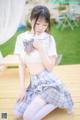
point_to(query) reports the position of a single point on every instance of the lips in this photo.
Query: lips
(39, 32)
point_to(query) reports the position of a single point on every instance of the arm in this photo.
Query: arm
(22, 76)
(48, 56)
(22, 94)
(47, 61)
(19, 50)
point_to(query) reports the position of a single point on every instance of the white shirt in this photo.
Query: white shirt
(48, 43)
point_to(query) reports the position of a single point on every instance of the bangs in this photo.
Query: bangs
(43, 17)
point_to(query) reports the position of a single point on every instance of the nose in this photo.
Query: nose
(41, 27)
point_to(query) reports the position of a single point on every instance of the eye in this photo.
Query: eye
(44, 25)
(37, 23)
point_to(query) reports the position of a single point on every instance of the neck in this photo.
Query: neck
(32, 31)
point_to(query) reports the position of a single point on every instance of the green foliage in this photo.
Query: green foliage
(68, 44)
(61, 8)
(28, 25)
(8, 47)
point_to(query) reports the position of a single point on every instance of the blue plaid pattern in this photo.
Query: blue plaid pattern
(50, 88)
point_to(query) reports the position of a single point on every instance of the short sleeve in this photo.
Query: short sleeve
(52, 47)
(19, 48)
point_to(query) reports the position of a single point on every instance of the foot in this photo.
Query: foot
(70, 111)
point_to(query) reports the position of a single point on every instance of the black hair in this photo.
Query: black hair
(40, 11)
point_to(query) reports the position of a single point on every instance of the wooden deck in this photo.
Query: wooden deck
(9, 88)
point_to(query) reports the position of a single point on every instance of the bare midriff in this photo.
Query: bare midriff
(35, 68)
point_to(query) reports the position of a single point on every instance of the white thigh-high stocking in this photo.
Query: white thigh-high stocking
(43, 111)
(33, 108)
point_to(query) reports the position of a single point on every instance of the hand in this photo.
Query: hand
(38, 45)
(22, 96)
(28, 46)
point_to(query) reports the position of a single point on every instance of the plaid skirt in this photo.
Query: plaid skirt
(50, 88)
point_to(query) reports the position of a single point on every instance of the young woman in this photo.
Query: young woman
(37, 51)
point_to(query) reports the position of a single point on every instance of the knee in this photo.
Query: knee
(18, 117)
(27, 116)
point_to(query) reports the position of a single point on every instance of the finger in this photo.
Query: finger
(18, 100)
(25, 98)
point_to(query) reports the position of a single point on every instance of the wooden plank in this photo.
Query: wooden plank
(70, 75)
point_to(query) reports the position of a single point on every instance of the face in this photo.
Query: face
(40, 26)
